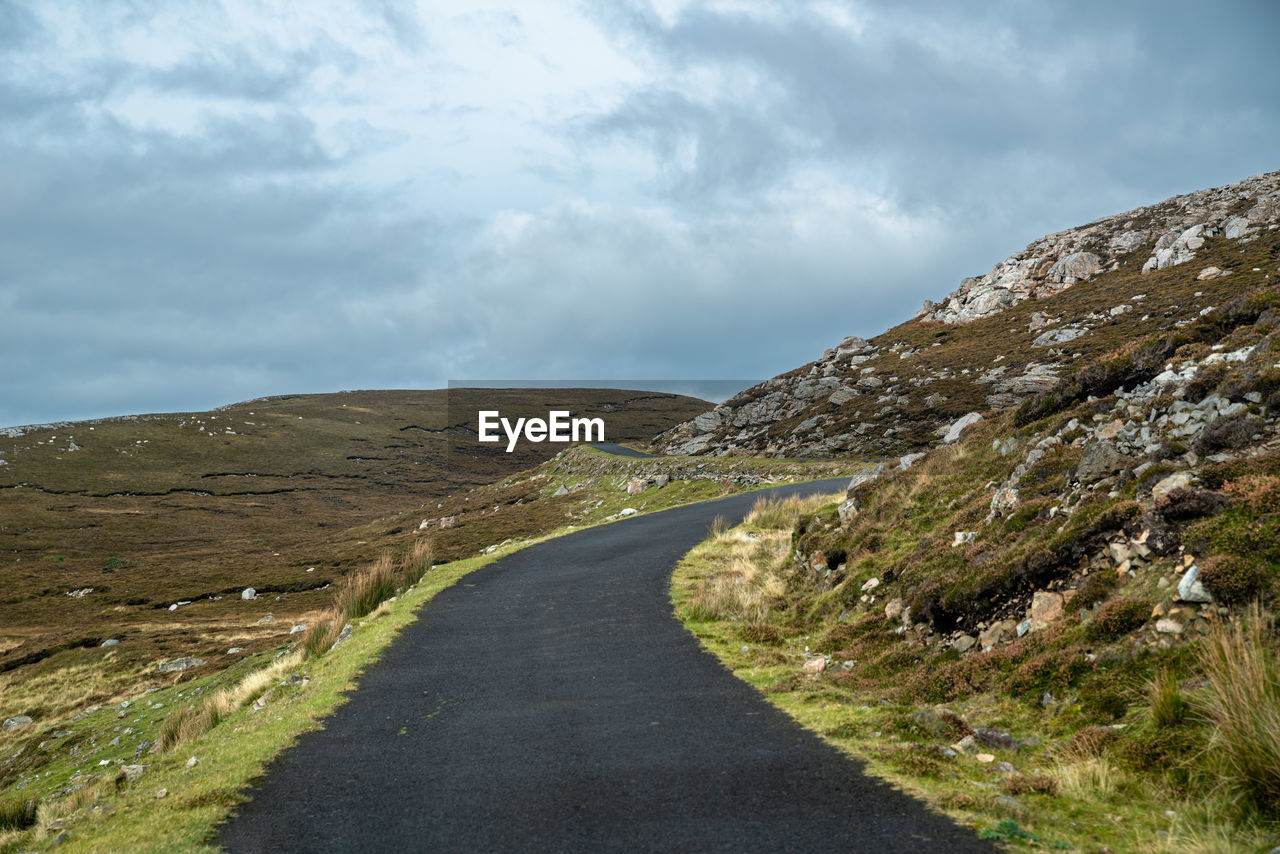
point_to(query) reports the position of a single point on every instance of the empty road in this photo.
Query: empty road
(551, 702)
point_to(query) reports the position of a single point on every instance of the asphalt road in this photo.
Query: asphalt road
(551, 702)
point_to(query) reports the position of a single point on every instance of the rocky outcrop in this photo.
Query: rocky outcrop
(900, 392)
(1173, 230)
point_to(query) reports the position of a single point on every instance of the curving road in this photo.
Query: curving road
(551, 702)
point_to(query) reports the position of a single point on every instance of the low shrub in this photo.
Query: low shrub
(1225, 434)
(1167, 704)
(1030, 784)
(760, 633)
(1233, 579)
(1095, 588)
(1118, 617)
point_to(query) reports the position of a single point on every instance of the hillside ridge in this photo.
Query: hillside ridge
(1063, 302)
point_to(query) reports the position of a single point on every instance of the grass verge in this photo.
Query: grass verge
(199, 743)
(1155, 780)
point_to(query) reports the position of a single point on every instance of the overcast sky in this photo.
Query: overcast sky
(206, 202)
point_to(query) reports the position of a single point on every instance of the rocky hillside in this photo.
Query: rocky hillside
(1059, 620)
(1065, 302)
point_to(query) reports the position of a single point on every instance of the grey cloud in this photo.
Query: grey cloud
(17, 25)
(1117, 94)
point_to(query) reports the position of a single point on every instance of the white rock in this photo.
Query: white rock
(963, 537)
(1061, 335)
(1177, 480)
(957, 427)
(248, 593)
(870, 584)
(1190, 589)
(16, 722)
(627, 511)
(909, 460)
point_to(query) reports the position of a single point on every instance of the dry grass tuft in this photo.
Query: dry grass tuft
(367, 589)
(776, 515)
(752, 578)
(1244, 704)
(1088, 778)
(187, 723)
(322, 634)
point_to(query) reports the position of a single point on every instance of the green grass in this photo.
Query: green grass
(215, 717)
(1151, 786)
(232, 749)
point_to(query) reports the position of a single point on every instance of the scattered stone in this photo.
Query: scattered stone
(177, 665)
(16, 722)
(301, 627)
(1061, 335)
(815, 665)
(866, 476)
(234, 650)
(995, 739)
(1045, 608)
(895, 609)
(952, 433)
(1098, 461)
(964, 643)
(1210, 273)
(870, 584)
(1005, 501)
(248, 593)
(1005, 447)
(996, 633)
(1023, 627)
(1177, 480)
(627, 511)
(963, 538)
(908, 460)
(559, 492)
(846, 511)
(109, 642)
(1006, 768)
(193, 761)
(985, 758)
(1169, 626)
(133, 772)
(162, 793)
(1191, 589)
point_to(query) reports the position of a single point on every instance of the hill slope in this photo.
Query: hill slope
(104, 524)
(1065, 301)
